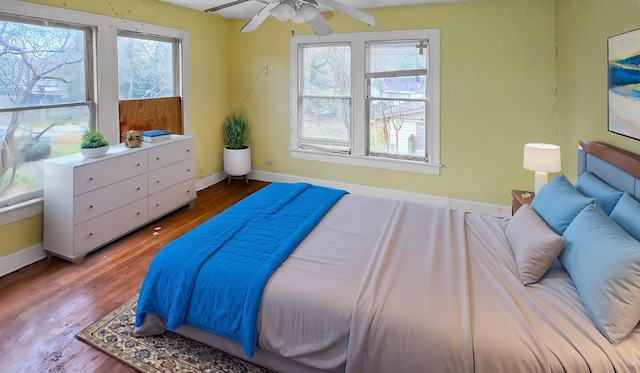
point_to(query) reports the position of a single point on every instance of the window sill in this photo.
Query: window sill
(21, 211)
(373, 162)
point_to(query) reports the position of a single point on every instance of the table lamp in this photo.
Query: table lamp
(541, 158)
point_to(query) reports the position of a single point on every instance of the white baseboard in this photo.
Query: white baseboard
(20, 259)
(24, 257)
(208, 181)
(457, 204)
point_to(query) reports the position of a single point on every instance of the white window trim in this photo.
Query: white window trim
(358, 96)
(106, 72)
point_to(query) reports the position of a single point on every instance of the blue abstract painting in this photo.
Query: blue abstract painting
(624, 84)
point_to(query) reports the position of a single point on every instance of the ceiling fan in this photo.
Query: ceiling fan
(299, 11)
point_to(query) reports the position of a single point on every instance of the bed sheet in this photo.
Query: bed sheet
(383, 285)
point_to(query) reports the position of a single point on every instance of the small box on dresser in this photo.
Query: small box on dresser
(89, 202)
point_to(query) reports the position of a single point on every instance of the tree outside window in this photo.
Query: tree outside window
(145, 67)
(397, 95)
(325, 115)
(44, 101)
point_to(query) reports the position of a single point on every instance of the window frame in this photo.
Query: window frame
(89, 59)
(105, 88)
(176, 45)
(87, 101)
(342, 147)
(359, 126)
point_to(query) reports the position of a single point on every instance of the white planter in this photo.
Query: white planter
(94, 152)
(237, 162)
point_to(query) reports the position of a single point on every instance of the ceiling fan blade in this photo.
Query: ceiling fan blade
(219, 7)
(351, 12)
(320, 25)
(262, 15)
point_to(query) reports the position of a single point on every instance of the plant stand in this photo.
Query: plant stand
(246, 179)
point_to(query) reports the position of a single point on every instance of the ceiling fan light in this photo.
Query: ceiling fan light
(306, 13)
(284, 11)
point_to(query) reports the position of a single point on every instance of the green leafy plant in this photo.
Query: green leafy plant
(93, 139)
(235, 130)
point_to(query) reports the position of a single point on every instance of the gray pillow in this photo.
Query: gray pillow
(535, 246)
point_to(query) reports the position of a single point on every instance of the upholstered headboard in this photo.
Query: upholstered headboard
(617, 167)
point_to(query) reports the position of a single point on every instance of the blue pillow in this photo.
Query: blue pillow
(604, 263)
(627, 214)
(607, 196)
(558, 202)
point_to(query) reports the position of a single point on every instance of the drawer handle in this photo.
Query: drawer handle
(138, 214)
(158, 182)
(188, 150)
(90, 179)
(157, 205)
(138, 188)
(138, 165)
(157, 158)
(188, 170)
(90, 206)
(90, 234)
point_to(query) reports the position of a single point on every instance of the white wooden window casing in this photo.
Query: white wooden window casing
(357, 153)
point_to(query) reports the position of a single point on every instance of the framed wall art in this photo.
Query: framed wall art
(624, 84)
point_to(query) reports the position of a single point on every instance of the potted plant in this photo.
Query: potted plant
(237, 155)
(93, 144)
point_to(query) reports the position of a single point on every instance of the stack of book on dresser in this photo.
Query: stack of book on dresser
(156, 135)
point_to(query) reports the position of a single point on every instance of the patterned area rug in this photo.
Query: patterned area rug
(168, 352)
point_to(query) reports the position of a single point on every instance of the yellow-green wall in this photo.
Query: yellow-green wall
(583, 27)
(499, 73)
(497, 92)
(20, 235)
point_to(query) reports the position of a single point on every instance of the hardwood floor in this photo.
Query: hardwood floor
(44, 305)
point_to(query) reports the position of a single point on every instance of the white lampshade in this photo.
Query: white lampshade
(284, 11)
(306, 13)
(541, 158)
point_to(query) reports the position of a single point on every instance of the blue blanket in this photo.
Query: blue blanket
(212, 278)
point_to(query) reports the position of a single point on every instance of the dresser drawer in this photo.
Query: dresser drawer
(171, 198)
(107, 227)
(164, 155)
(172, 175)
(109, 171)
(89, 205)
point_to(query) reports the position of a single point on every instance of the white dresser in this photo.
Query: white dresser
(89, 202)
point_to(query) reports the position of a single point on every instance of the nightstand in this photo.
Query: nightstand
(520, 197)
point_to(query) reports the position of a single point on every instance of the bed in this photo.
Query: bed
(380, 285)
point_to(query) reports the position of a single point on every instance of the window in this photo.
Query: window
(146, 66)
(45, 100)
(55, 67)
(368, 99)
(325, 98)
(397, 101)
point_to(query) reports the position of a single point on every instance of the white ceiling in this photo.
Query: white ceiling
(250, 8)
